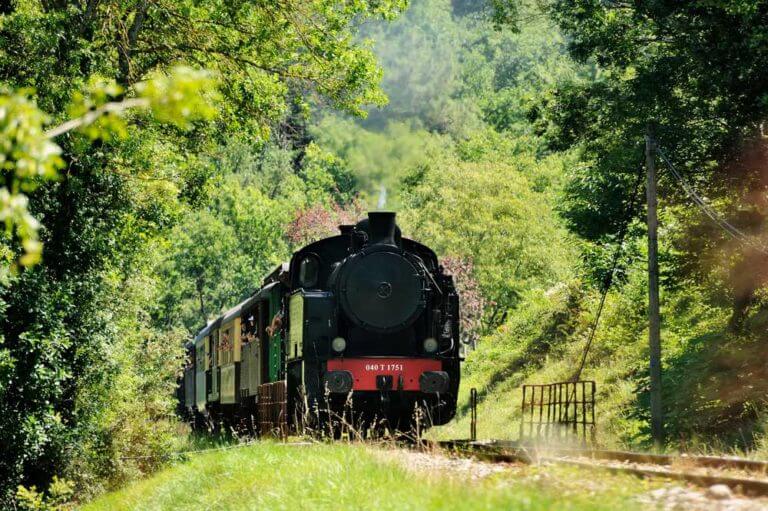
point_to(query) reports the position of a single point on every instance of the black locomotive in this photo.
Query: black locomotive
(365, 323)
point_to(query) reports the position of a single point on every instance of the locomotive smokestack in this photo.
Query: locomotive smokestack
(381, 228)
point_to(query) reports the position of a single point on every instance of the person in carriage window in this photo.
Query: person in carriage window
(277, 323)
(249, 330)
(252, 329)
(225, 345)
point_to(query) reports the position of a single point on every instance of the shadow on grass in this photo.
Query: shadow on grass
(559, 327)
(713, 390)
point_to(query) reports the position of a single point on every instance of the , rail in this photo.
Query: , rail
(664, 466)
(745, 485)
(718, 462)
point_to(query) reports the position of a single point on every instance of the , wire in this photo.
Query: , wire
(708, 210)
(729, 228)
(633, 205)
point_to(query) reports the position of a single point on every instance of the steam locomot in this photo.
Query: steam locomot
(362, 325)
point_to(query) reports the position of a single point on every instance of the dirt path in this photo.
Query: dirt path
(445, 466)
(662, 495)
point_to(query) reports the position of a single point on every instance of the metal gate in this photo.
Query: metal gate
(562, 410)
